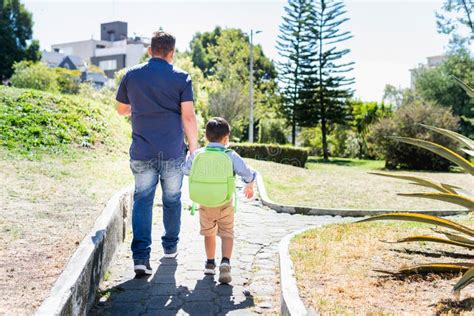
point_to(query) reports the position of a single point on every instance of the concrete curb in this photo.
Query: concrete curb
(291, 303)
(75, 289)
(308, 210)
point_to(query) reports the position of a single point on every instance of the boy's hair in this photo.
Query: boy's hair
(162, 43)
(216, 129)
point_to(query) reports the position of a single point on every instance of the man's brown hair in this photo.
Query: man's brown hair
(216, 129)
(162, 43)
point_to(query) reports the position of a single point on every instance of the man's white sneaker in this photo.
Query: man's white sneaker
(171, 255)
(142, 269)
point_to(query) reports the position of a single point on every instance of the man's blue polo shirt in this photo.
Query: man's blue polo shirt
(155, 91)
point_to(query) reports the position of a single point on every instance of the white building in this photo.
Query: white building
(431, 62)
(114, 51)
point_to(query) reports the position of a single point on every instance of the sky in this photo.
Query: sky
(390, 37)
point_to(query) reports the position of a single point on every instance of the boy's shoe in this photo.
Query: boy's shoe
(142, 268)
(224, 273)
(171, 253)
(210, 269)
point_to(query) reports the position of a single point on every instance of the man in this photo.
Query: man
(159, 98)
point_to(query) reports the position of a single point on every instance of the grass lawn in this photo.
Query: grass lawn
(335, 270)
(61, 158)
(48, 206)
(346, 183)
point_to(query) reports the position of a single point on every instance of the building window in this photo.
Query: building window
(99, 46)
(110, 64)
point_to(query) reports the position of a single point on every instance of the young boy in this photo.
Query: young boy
(220, 220)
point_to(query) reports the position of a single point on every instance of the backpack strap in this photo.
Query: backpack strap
(218, 149)
(235, 199)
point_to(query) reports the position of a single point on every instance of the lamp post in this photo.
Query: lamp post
(251, 86)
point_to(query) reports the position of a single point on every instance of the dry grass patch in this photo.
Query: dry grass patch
(335, 270)
(349, 186)
(48, 206)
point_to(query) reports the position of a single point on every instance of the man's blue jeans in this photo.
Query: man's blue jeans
(147, 175)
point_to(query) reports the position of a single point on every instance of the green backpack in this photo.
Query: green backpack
(212, 180)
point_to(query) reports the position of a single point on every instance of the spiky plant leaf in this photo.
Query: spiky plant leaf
(439, 150)
(466, 279)
(454, 237)
(430, 268)
(450, 187)
(467, 88)
(446, 188)
(422, 218)
(469, 152)
(445, 197)
(453, 135)
(436, 239)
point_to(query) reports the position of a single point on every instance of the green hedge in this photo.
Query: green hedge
(289, 155)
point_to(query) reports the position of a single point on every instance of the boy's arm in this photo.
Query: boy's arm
(189, 162)
(247, 174)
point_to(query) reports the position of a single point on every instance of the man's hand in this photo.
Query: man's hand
(190, 125)
(124, 109)
(248, 190)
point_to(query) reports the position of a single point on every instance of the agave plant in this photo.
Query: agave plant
(457, 235)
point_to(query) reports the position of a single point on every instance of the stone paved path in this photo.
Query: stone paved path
(180, 287)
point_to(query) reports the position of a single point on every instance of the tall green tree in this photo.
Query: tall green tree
(437, 85)
(16, 30)
(223, 57)
(456, 19)
(329, 84)
(294, 47)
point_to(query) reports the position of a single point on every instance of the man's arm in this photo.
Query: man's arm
(124, 109)
(188, 118)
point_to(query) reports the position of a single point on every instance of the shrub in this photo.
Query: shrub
(34, 76)
(68, 80)
(405, 123)
(272, 130)
(269, 152)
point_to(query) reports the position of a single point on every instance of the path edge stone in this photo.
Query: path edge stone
(75, 289)
(309, 210)
(291, 303)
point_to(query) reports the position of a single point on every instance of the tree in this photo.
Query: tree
(16, 25)
(294, 46)
(328, 85)
(456, 19)
(199, 45)
(396, 97)
(228, 101)
(364, 115)
(437, 85)
(223, 57)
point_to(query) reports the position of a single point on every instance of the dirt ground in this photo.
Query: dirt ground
(335, 268)
(47, 207)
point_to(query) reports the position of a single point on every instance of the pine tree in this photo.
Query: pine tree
(328, 83)
(293, 45)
